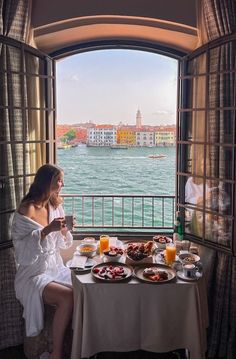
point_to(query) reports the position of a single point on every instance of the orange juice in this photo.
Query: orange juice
(104, 243)
(170, 253)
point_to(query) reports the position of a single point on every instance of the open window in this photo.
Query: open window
(206, 144)
(27, 132)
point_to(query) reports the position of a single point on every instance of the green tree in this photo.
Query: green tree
(70, 135)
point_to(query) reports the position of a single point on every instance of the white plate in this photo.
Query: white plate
(181, 275)
(88, 265)
(159, 258)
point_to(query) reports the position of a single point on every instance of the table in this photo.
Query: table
(129, 316)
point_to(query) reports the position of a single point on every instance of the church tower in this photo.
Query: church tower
(138, 119)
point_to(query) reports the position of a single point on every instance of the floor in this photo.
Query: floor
(18, 353)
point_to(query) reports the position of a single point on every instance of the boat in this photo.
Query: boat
(156, 156)
(119, 147)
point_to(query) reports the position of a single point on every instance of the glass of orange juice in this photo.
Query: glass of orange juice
(170, 253)
(104, 243)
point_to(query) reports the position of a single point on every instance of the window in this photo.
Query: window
(206, 145)
(27, 133)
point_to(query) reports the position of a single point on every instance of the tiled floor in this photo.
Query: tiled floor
(18, 353)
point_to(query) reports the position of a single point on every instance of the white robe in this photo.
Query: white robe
(39, 263)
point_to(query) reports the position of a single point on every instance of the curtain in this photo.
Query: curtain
(14, 23)
(217, 18)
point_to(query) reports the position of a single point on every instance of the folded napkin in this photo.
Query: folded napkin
(78, 261)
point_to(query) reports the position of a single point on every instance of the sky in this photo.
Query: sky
(109, 86)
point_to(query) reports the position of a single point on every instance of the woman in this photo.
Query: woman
(38, 232)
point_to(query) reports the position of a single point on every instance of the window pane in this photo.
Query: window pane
(11, 125)
(226, 98)
(36, 125)
(197, 65)
(220, 126)
(220, 58)
(218, 229)
(220, 162)
(194, 126)
(36, 96)
(5, 225)
(34, 65)
(194, 155)
(218, 197)
(11, 191)
(14, 59)
(11, 159)
(196, 88)
(36, 152)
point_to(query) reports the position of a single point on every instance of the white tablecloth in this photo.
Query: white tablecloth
(131, 316)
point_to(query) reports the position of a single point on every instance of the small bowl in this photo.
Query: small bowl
(113, 255)
(189, 258)
(87, 249)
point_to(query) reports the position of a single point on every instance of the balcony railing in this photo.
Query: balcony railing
(121, 212)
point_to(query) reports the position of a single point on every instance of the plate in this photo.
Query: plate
(138, 272)
(106, 276)
(88, 265)
(193, 258)
(160, 259)
(180, 275)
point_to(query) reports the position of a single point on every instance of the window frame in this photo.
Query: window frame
(46, 83)
(182, 141)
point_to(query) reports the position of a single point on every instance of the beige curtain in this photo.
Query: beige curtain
(217, 18)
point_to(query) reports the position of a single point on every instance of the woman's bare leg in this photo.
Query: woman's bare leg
(62, 297)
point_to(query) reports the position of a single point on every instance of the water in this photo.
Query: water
(101, 170)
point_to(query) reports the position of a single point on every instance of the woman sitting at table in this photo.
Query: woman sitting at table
(38, 233)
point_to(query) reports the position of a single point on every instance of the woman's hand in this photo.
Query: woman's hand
(58, 224)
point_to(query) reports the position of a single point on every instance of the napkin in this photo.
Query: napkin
(78, 262)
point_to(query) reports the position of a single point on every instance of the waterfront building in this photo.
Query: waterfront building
(145, 138)
(126, 136)
(101, 135)
(165, 136)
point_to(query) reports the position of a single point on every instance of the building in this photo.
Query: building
(165, 136)
(145, 139)
(101, 135)
(138, 119)
(126, 136)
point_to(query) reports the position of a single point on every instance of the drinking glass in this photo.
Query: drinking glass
(104, 243)
(170, 253)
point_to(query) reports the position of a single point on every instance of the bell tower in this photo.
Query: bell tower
(138, 119)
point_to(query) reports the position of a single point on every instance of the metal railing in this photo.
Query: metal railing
(121, 211)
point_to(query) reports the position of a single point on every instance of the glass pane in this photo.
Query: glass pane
(11, 159)
(220, 162)
(194, 191)
(36, 125)
(11, 191)
(222, 57)
(5, 226)
(197, 65)
(13, 58)
(36, 152)
(194, 126)
(219, 197)
(36, 92)
(11, 125)
(196, 92)
(194, 222)
(221, 90)
(220, 127)
(34, 65)
(194, 155)
(218, 229)
(15, 83)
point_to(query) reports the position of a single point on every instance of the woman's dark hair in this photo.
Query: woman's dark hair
(39, 190)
